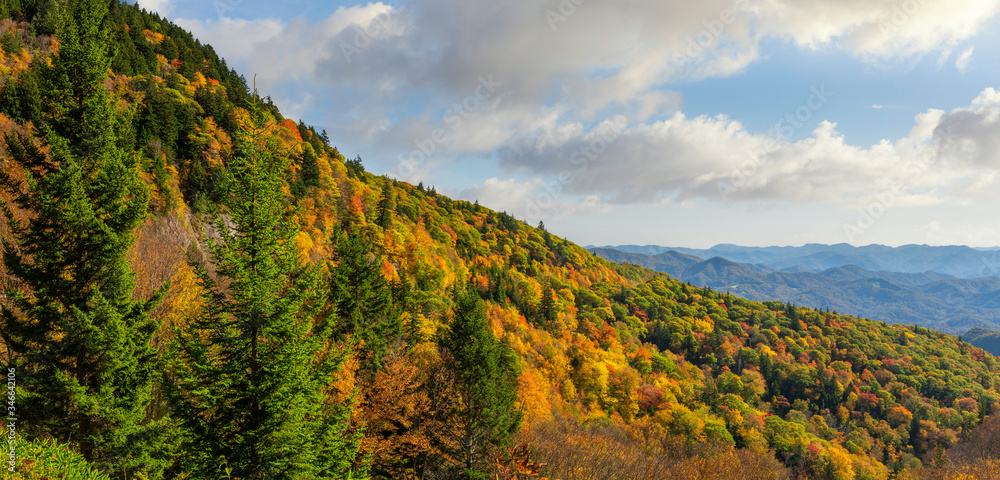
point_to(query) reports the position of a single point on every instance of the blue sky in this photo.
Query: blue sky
(754, 122)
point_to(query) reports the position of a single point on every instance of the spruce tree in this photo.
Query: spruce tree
(78, 340)
(252, 375)
(386, 205)
(310, 166)
(486, 379)
(362, 297)
(548, 307)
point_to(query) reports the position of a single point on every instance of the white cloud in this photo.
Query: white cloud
(295, 109)
(963, 60)
(163, 7)
(501, 195)
(943, 58)
(392, 76)
(233, 39)
(880, 28)
(532, 200)
(971, 136)
(372, 60)
(947, 158)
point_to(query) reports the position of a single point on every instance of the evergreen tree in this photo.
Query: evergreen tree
(691, 345)
(362, 297)
(548, 306)
(21, 99)
(355, 168)
(79, 342)
(310, 167)
(400, 293)
(252, 373)
(486, 378)
(386, 205)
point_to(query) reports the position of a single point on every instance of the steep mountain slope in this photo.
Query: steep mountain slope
(608, 355)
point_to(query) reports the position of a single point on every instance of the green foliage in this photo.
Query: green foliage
(361, 297)
(79, 342)
(984, 338)
(309, 176)
(486, 374)
(45, 459)
(355, 168)
(252, 373)
(21, 97)
(386, 205)
(547, 307)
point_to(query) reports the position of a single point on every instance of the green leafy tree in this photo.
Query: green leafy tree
(78, 339)
(486, 378)
(252, 374)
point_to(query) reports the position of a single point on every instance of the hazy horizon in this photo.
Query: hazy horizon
(989, 247)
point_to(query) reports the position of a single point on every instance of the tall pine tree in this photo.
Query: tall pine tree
(79, 342)
(386, 205)
(362, 297)
(253, 373)
(486, 378)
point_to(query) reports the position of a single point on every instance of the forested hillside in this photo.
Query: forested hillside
(198, 287)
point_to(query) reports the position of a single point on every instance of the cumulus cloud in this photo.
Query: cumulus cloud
(376, 64)
(883, 28)
(408, 83)
(233, 39)
(502, 195)
(971, 135)
(947, 157)
(533, 199)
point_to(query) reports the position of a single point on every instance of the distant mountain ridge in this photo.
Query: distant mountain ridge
(957, 261)
(927, 298)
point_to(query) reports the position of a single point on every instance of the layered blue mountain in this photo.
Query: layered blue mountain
(926, 289)
(957, 261)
